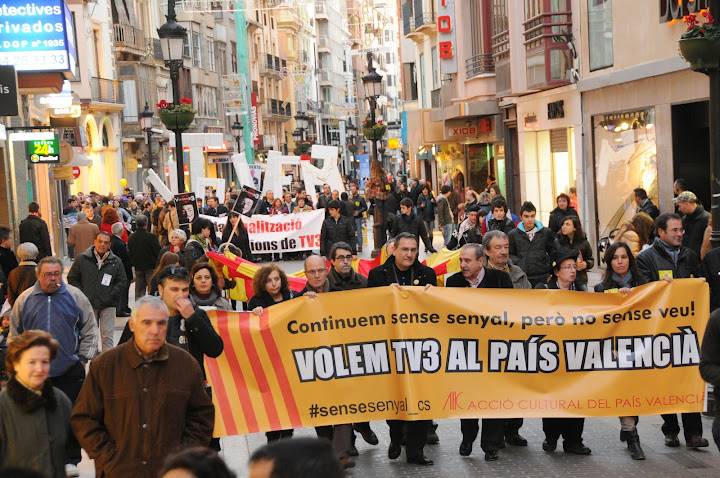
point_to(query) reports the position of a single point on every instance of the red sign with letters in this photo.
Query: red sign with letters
(446, 36)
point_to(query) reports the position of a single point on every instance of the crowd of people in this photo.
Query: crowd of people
(134, 405)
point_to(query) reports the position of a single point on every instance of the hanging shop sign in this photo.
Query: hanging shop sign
(474, 129)
(254, 119)
(556, 110)
(8, 91)
(446, 36)
(44, 150)
(37, 36)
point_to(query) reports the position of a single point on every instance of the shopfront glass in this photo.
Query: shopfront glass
(625, 159)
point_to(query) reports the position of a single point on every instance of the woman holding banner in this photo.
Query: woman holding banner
(271, 287)
(621, 276)
(564, 278)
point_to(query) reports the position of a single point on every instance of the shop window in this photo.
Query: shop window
(600, 33)
(480, 165)
(625, 156)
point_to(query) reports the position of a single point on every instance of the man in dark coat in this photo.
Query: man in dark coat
(498, 219)
(33, 229)
(710, 364)
(403, 268)
(142, 400)
(143, 248)
(336, 228)
(710, 270)
(563, 210)
(669, 259)
(694, 220)
(532, 245)
(118, 247)
(359, 206)
(644, 204)
(474, 274)
(411, 223)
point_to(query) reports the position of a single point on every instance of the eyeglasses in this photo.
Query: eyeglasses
(347, 258)
(570, 267)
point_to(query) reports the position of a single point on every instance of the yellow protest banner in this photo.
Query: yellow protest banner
(410, 353)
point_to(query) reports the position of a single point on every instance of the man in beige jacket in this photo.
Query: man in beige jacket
(82, 234)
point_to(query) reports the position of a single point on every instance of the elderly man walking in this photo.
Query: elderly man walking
(142, 400)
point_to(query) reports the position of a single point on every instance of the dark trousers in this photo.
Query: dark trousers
(716, 430)
(415, 435)
(491, 437)
(571, 429)
(142, 281)
(512, 426)
(278, 435)
(70, 383)
(124, 298)
(692, 424)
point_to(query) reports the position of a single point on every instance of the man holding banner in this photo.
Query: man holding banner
(403, 268)
(474, 274)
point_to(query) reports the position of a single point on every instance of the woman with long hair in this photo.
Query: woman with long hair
(240, 238)
(621, 276)
(109, 217)
(637, 233)
(166, 259)
(271, 286)
(204, 288)
(571, 236)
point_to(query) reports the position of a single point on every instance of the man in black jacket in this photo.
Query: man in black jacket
(498, 219)
(710, 364)
(403, 268)
(143, 248)
(336, 228)
(359, 207)
(474, 274)
(644, 204)
(669, 259)
(33, 229)
(710, 270)
(695, 220)
(118, 247)
(100, 274)
(411, 223)
(531, 245)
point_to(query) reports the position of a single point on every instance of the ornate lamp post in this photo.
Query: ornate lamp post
(237, 132)
(146, 121)
(372, 82)
(172, 39)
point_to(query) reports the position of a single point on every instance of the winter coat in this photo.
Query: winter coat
(576, 286)
(144, 250)
(505, 225)
(532, 257)
(340, 230)
(426, 207)
(264, 300)
(240, 239)
(353, 281)
(710, 270)
(118, 247)
(170, 220)
(612, 284)
(82, 235)
(34, 429)
(517, 276)
(213, 300)
(65, 314)
(655, 259)
(192, 253)
(414, 225)
(582, 247)
(629, 237)
(8, 262)
(694, 225)
(385, 274)
(492, 279)
(444, 212)
(649, 208)
(557, 216)
(35, 230)
(131, 413)
(359, 205)
(465, 234)
(710, 353)
(20, 279)
(85, 275)
(105, 227)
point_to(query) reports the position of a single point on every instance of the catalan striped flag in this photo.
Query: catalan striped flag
(250, 385)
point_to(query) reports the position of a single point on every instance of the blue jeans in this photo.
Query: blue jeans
(359, 232)
(447, 231)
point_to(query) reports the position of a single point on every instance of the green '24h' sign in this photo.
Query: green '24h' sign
(44, 150)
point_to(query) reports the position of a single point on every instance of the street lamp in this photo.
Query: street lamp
(372, 83)
(302, 122)
(172, 41)
(146, 121)
(237, 132)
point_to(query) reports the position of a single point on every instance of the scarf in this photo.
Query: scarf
(673, 252)
(208, 300)
(623, 281)
(30, 401)
(202, 240)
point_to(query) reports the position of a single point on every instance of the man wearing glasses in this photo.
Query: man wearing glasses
(668, 259)
(64, 312)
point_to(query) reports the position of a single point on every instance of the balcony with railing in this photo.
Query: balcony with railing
(435, 98)
(129, 39)
(273, 66)
(330, 78)
(407, 18)
(479, 64)
(103, 90)
(546, 37)
(277, 110)
(424, 17)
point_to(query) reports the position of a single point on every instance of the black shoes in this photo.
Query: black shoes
(368, 435)
(123, 313)
(353, 451)
(394, 450)
(516, 440)
(633, 444)
(492, 455)
(432, 436)
(465, 448)
(421, 460)
(696, 442)
(671, 440)
(549, 444)
(576, 448)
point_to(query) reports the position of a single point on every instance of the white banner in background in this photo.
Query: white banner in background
(280, 233)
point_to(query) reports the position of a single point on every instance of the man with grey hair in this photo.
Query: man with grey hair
(159, 401)
(24, 275)
(82, 234)
(64, 312)
(497, 250)
(473, 273)
(118, 247)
